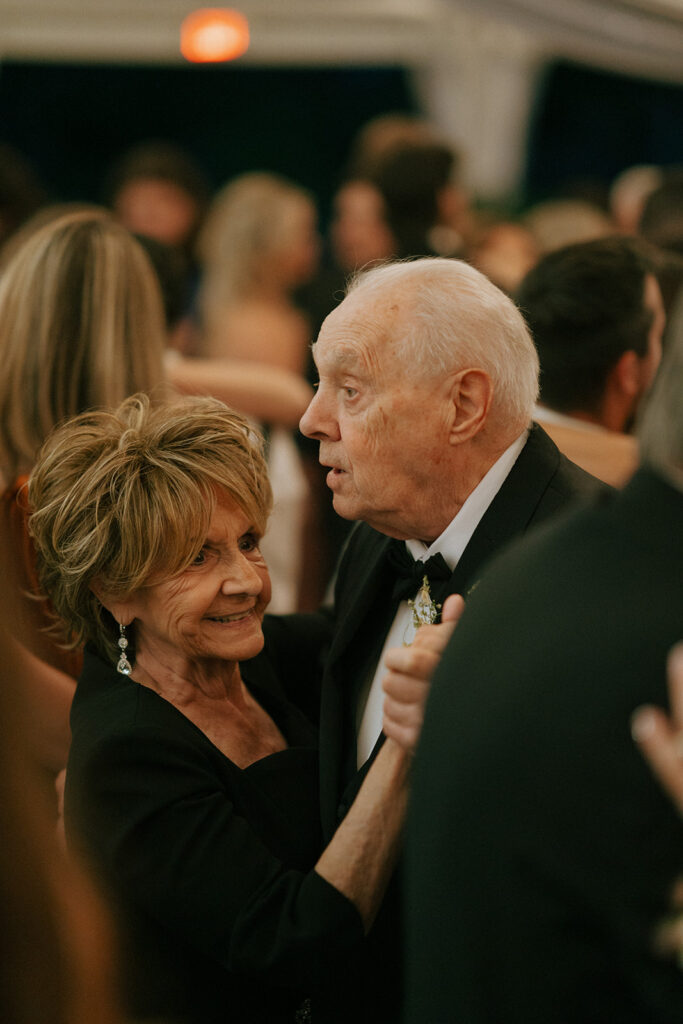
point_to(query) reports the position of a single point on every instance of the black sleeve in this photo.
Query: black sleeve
(296, 646)
(168, 834)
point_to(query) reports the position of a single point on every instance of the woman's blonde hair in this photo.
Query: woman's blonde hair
(119, 497)
(81, 327)
(247, 220)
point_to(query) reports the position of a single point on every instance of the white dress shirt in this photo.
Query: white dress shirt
(451, 545)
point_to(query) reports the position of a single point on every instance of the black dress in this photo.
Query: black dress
(209, 866)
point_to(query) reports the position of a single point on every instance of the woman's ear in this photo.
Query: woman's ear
(120, 609)
(471, 395)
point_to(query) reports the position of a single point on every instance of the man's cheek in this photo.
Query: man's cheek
(376, 430)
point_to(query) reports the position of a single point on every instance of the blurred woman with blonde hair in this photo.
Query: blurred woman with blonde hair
(258, 244)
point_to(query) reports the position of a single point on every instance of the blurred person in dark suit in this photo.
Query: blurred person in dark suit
(541, 851)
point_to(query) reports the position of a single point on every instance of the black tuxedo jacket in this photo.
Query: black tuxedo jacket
(541, 483)
(540, 850)
(348, 641)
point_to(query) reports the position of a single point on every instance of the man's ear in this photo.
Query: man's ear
(120, 609)
(627, 374)
(471, 396)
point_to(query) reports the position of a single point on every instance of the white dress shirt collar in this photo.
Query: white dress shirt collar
(455, 538)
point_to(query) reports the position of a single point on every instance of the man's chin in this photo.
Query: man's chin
(344, 508)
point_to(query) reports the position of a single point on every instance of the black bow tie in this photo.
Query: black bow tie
(409, 573)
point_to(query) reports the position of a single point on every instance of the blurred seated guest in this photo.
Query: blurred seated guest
(629, 193)
(359, 232)
(81, 327)
(259, 244)
(555, 223)
(596, 316)
(171, 268)
(661, 221)
(157, 189)
(21, 191)
(505, 251)
(422, 198)
(541, 853)
(383, 133)
(193, 777)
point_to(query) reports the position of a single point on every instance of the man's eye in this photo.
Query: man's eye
(350, 392)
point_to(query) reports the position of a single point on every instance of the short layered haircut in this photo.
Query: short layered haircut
(120, 498)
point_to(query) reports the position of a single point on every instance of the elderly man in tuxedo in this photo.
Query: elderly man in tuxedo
(427, 382)
(541, 855)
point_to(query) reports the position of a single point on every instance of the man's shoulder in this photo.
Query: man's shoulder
(541, 484)
(566, 481)
(606, 454)
(638, 519)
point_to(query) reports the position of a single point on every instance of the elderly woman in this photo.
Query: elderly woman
(81, 327)
(192, 779)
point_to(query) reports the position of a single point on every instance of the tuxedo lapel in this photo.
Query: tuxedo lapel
(511, 512)
(357, 598)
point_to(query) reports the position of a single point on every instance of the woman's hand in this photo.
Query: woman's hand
(407, 682)
(660, 737)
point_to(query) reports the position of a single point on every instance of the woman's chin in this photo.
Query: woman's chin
(239, 641)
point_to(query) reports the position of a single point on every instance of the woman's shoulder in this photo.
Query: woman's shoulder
(110, 707)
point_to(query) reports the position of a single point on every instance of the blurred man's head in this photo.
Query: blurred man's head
(596, 315)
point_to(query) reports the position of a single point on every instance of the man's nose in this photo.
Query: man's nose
(318, 422)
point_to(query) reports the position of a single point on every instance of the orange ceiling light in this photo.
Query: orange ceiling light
(213, 34)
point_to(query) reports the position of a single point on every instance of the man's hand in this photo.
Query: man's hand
(406, 684)
(660, 737)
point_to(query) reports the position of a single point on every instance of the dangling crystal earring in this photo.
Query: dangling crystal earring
(123, 666)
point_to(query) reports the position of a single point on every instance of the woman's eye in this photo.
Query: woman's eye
(249, 542)
(350, 392)
(200, 558)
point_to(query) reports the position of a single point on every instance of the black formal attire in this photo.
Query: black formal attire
(208, 865)
(541, 483)
(540, 849)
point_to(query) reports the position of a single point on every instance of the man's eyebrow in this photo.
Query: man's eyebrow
(342, 357)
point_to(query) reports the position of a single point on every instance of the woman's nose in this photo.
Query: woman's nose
(241, 577)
